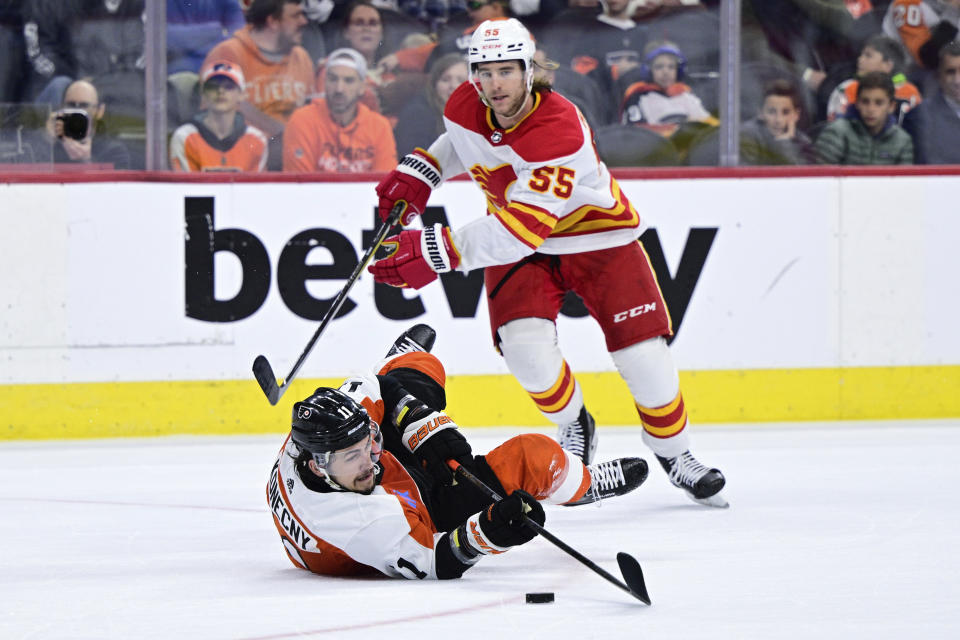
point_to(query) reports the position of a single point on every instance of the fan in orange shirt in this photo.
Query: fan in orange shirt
(278, 71)
(338, 133)
(219, 139)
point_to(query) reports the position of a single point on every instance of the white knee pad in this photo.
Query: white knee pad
(649, 371)
(529, 347)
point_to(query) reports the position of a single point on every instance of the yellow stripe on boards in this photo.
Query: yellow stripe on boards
(119, 409)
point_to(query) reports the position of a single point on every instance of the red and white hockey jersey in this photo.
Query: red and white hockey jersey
(546, 188)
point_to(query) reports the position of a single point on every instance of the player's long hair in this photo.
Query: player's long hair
(542, 85)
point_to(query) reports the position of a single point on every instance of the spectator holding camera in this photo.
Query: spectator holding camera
(73, 129)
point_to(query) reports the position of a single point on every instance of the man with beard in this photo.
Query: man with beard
(556, 221)
(337, 133)
(361, 484)
(277, 70)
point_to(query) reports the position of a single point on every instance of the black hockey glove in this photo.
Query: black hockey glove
(501, 525)
(434, 438)
(493, 530)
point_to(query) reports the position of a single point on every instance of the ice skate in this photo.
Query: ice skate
(580, 436)
(419, 337)
(613, 478)
(701, 483)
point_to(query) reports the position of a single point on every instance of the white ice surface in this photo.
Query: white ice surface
(834, 531)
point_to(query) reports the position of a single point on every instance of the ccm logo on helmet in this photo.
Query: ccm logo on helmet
(636, 311)
(421, 434)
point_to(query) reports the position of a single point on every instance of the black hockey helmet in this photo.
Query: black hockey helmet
(327, 421)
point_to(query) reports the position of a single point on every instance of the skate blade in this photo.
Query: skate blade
(717, 501)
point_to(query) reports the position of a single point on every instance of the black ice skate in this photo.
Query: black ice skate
(419, 337)
(580, 436)
(702, 484)
(613, 478)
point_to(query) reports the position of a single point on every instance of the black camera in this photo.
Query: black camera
(76, 122)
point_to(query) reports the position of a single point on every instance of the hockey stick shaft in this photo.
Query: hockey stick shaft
(637, 589)
(262, 370)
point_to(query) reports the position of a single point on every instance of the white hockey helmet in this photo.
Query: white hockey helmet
(500, 40)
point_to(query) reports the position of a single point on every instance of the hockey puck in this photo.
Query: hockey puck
(539, 598)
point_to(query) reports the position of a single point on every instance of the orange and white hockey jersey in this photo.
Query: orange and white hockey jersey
(391, 530)
(546, 188)
(911, 22)
(345, 533)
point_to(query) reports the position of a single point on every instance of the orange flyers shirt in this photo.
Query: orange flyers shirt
(276, 87)
(194, 149)
(313, 142)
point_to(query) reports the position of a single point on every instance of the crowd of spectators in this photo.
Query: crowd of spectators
(335, 86)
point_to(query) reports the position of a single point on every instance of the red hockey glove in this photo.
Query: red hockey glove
(501, 525)
(412, 181)
(417, 258)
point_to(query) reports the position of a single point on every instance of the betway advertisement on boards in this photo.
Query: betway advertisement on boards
(125, 282)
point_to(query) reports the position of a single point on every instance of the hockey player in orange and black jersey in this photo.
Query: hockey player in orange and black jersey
(557, 222)
(362, 485)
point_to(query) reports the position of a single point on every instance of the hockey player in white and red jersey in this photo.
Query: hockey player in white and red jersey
(361, 484)
(557, 222)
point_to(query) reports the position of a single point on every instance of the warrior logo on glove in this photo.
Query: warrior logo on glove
(416, 257)
(411, 182)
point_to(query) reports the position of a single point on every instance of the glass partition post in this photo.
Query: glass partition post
(729, 83)
(156, 85)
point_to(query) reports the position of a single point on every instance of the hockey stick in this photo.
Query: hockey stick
(632, 574)
(262, 370)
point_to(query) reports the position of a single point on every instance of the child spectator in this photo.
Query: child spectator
(661, 99)
(219, 139)
(868, 134)
(883, 54)
(337, 133)
(773, 137)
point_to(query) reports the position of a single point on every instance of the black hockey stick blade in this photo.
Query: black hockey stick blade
(633, 576)
(263, 372)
